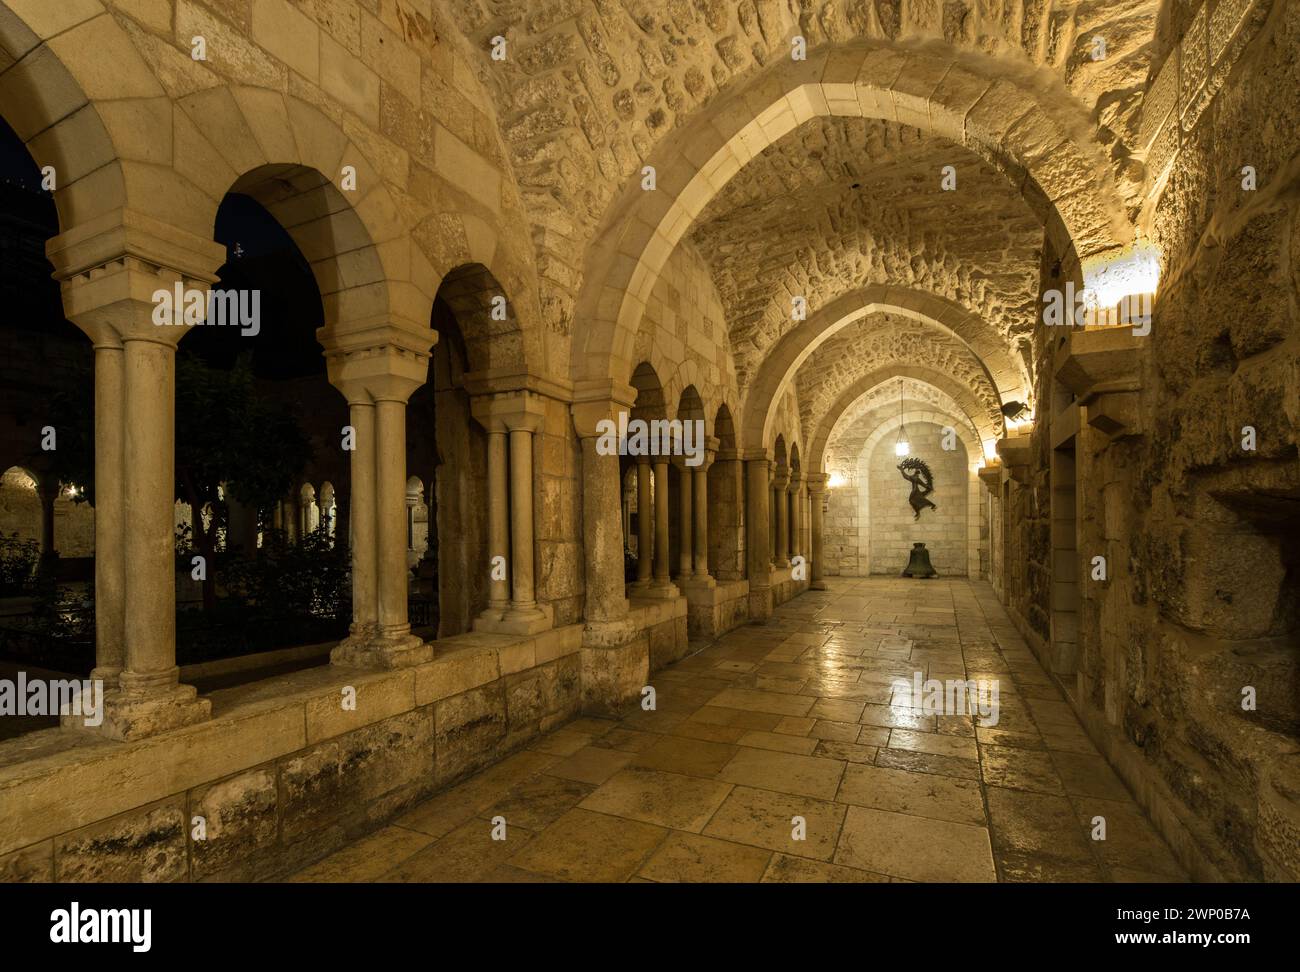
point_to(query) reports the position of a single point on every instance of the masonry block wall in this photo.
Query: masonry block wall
(892, 529)
(1198, 610)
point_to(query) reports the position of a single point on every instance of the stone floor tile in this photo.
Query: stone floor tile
(591, 765)
(922, 794)
(790, 773)
(694, 858)
(1019, 769)
(753, 700)
(849, 751)
(368, 858)
(916, 848)
(763, 818)
(778, 742)
(627, 740)
(962, 769)
(562, 742)
(933, 743)
(1089, 776)
(590, 847)
(690, 757)
(467, 854)
(538, 802)
(665, 799)
(837, 710)
(785, 869)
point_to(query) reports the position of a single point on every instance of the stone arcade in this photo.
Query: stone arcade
(685, 221)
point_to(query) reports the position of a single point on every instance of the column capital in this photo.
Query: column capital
(110, 268)
(515, 411)
(598, 401)
(377, 363)
(816, 482)
(781, 480)
(704, 463)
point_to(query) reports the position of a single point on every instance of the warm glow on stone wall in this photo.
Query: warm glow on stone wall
(1110, 278)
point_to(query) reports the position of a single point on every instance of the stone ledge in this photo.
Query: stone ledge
(57, 780)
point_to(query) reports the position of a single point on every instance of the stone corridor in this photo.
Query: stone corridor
(798, 717)
(393, 392)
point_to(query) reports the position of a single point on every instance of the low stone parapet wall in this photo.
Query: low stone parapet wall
(287, 769)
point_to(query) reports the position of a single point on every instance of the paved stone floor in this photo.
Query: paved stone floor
(800, 717)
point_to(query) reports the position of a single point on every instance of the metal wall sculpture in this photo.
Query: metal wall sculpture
(916, 472)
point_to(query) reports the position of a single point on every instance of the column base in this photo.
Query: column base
(697, 582)
(760, 603)
(517, 620)
(615, 660)
(660, 588)
(381, 651)
(818, 585)
(130, 716)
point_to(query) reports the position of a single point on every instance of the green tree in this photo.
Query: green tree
(230, 444)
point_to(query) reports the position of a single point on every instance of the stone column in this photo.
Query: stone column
(365, 571)
(701, 534)
(390, 527)
(795, 491)
(726, 481)
(515, 416)
(377, 367)
(645, 523)
(498, 523)
(110, 511)
(816, 494)
(118, 277)
(757, 544)
(685, 520)
(523, 601)
(615, 654)
(773, 554)
(661, 586)
(780, 487)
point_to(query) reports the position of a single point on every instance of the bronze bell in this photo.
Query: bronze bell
(919, 563)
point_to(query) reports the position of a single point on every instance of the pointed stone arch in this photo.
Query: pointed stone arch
(1004, 375)
(1037, 137)
(955, 390)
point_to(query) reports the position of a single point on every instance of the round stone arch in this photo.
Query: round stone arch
(865, 384)
(320, 185)
(75, 92)
(1007, 380)
(998, 112)
(687, 375)
(858, 422)
(973, 451)
(493, 346)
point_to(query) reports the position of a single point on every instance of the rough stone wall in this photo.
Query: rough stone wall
(1200, 533)
(589, 88)
(891, 528)
(836, 205)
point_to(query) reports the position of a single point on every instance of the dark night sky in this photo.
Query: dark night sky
(268, 261)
